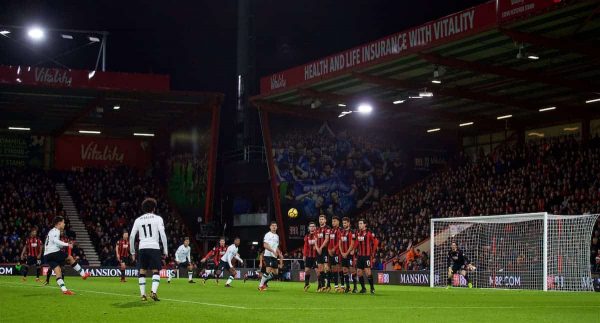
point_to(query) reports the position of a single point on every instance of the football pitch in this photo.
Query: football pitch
(108, 300)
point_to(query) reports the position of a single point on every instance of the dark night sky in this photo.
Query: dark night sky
(195, 41)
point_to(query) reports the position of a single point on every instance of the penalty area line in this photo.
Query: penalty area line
(127, 295)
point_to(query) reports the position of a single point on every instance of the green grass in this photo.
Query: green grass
(108, 300)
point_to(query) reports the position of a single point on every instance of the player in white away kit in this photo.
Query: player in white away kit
(150, 227)
(56, 258)
(272, 252)
(225, 263)
(184, 260)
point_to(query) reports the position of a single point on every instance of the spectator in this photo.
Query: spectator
(558, 175)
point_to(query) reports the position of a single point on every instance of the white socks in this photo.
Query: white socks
(229, 280)
(263, 280)
(142, 282)
(61, 283)
(155, 282)
(190, 275)
(78, 269)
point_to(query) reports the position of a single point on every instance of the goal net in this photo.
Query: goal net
(517, 251)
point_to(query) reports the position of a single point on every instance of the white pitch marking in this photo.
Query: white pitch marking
(126, 295)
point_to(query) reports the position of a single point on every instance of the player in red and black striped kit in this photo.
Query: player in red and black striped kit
(334, 254)
(309, 253)
(322, 233)
(123, 255)
(32, 255)
(366, 246)
(346, 246)
(215, 256)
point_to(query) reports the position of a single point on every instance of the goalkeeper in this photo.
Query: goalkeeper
(458, 263)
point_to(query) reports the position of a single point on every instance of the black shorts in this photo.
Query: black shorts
(334, 260)
(56, 259)
(323, 258)
(223, 265)
(348, 262)
(456, 268)
(150, 259)
(310, 263)
(183, 265)
(363, 262)
(31, 261)
(270, 262)
(126, 260)
(210, 265)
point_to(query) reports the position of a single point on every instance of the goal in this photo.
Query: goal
(537, 251)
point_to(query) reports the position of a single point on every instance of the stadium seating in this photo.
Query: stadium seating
(108, 201)
(559, 175)
(27, 199)
(351, 170)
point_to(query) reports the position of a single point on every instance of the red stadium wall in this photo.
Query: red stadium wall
(56, 77)
(73, 152)
(455, 26)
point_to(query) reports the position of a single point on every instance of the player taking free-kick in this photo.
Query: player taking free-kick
(56, 258)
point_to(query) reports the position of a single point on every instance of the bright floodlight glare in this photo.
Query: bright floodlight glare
(398, 102)
(341, 105)
(436, 81)
(504, 117)
(434, 130)
(365, 108)
(465, 124)
(592, 100)
(94, 132)
(116, 107)
(547, 109)
(141, 134)
(533, 57)
(19, 128)
(91, 74)
(65, 36)
(4, 32)
(36, 33)
(94, 39)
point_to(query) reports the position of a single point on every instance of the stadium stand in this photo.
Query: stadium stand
(27, 200)
(108, 202)
(558, 175)
(352, 169)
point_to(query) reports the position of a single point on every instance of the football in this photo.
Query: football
(293, 213)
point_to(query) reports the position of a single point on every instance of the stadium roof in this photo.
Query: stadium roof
(492, 60)
(53, 101)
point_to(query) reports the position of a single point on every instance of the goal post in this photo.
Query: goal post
(536, 251)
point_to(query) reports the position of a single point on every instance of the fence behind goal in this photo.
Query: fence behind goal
(517, 251)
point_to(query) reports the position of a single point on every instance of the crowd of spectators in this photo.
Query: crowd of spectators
(28, 200)
(108, 201)
(559, 175)
(322, 171)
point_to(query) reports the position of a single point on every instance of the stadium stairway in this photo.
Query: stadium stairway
(83, 238)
